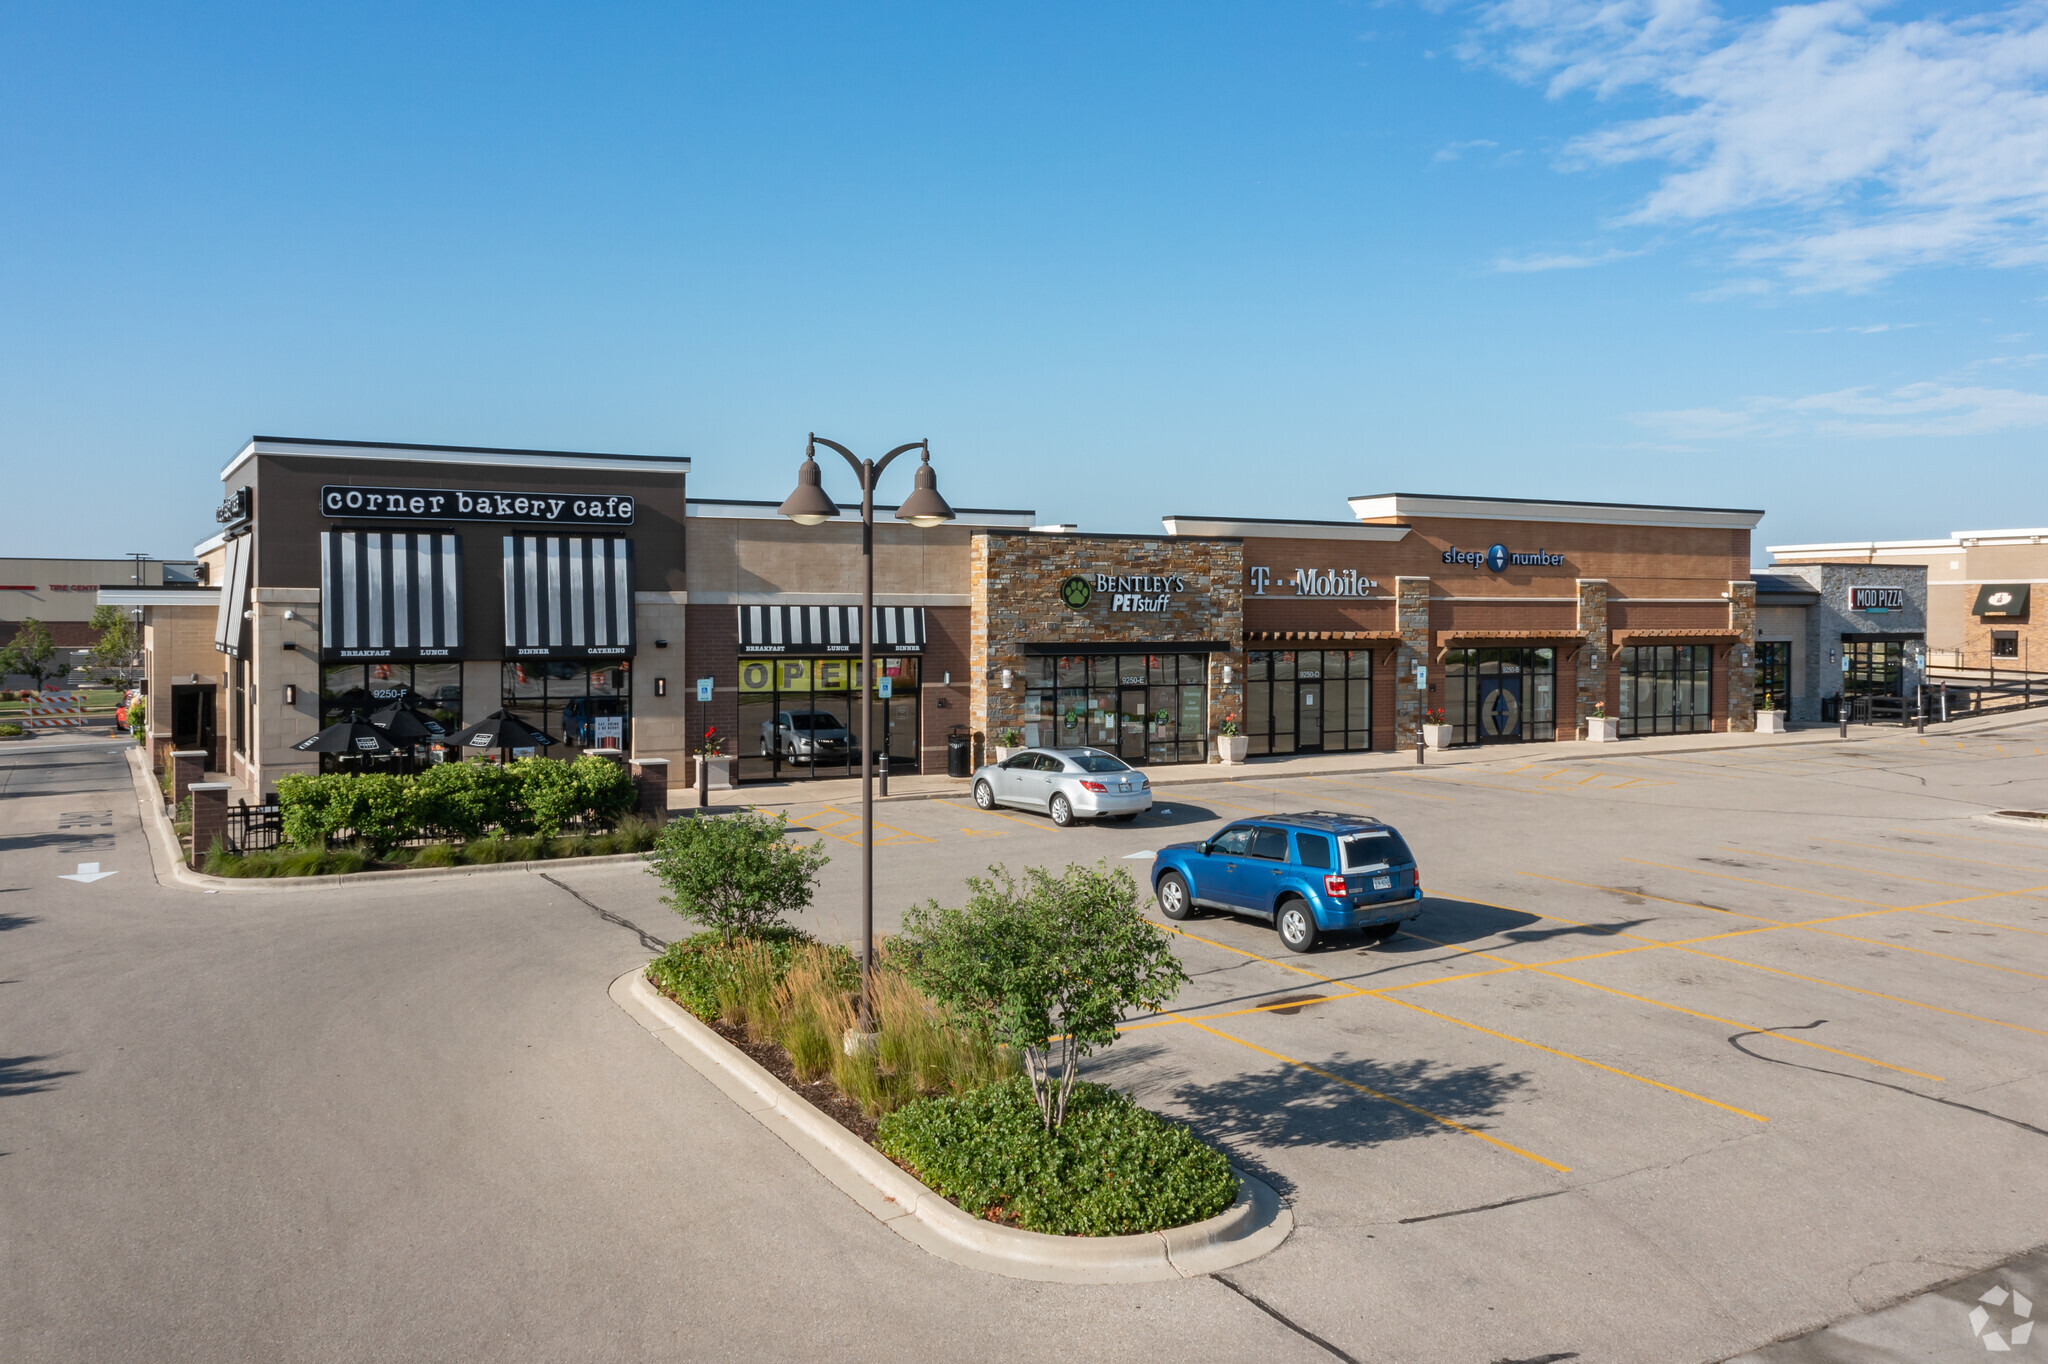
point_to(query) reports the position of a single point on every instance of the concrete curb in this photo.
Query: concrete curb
(1254, 1224)
(166, 855)
(2016, 822)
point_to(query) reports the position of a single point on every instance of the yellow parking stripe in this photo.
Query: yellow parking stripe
(1354, 992)
(1383, 1097)
(1711, 1018)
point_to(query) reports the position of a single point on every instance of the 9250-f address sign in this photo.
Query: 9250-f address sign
(461, 504)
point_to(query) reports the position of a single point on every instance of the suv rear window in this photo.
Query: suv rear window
(1314, 850)
(1373, 846)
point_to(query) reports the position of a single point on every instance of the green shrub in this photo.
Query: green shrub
(1112, 1169)
(464, 799)
(737, 873)
(698, 971)
(11, 731)
(438, 855)
(1048, 966)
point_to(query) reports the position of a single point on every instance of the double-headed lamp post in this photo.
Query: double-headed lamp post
(924, 508)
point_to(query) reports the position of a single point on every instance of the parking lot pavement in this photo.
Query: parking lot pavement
(1687, 1053)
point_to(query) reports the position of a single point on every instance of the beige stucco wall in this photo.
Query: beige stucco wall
(659, 721)
(272, 668)
(737, 560)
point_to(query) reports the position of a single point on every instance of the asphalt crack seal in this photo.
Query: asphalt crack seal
(1276, 1314)
(647, 940)
(1483, 1207)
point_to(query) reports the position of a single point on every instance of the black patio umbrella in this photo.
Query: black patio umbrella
(500, 730)
(354, 735)
(404, 725)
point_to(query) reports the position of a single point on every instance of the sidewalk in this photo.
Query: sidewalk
(843, 790)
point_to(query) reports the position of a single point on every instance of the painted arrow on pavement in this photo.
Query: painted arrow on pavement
(88, 872)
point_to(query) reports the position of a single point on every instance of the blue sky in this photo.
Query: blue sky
(1115, 261)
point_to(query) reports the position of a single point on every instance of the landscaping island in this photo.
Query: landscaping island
(980, 1017)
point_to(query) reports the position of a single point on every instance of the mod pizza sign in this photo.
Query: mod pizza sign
(1877, 599)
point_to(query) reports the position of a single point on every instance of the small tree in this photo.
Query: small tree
(115, 647)
(1050, 966)
(29, 652)
(736, 873)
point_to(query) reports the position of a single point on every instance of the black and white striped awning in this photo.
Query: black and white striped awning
(230, 625)
(820, 630)
(568, 596)
(388, 594)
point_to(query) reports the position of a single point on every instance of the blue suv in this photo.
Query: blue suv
(1309, 874)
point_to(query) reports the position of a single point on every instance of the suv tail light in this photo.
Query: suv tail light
(1334, 883)
(1094, 786)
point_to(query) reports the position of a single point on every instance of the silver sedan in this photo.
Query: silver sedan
(1066, 783)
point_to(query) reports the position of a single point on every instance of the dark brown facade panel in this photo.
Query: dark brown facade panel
(946, 633)
(711, 649)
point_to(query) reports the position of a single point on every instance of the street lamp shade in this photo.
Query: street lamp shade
(808, 505)
(924, 508)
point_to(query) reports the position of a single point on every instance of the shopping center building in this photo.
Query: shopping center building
(590, 594)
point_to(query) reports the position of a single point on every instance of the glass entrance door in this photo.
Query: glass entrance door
(1308, 725)
(1500, 702)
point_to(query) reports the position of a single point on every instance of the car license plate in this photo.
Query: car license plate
(1382, 883)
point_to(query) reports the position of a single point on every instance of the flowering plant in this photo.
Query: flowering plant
(1599, 710)
(1434, 716)
(1227, 727)
(712, 745)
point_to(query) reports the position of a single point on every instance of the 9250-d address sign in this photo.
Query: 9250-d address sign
(461, 504)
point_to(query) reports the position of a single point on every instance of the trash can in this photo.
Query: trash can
(959, 753)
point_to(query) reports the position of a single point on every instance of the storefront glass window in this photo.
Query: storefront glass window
(1145, 708)
(800, 717)
(1501, 695)
(583, 707)
(1666, 689)
(1308, 701)
(1877, 667)
(359, 688)
(1774, 675)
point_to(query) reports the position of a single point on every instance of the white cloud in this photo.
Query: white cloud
(1530, 265)
(1833, 147)
(1451, 151)
(1922, 409)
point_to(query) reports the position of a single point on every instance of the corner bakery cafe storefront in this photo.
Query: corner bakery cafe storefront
(353, 575)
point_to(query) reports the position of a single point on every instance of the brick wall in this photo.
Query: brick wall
(711, 647)
(942, 705)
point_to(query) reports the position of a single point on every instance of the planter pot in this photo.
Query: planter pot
(1437, 736)
(719, 772)
(1603, 730)
(1770, 722)
(1000, 753)
(1231, 748)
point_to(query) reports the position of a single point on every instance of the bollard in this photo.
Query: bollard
(1418, 746)
(1842, 713)
(703, 783)
(883, 788)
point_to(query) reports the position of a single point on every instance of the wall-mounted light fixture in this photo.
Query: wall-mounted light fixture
(289, 645)
(1006, 679)
(661, 644)
(947, 679)
(291, 615)
(1226, 674)
(291, 694)
(661, 686)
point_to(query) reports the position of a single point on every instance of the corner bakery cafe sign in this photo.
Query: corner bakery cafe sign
(455, 504)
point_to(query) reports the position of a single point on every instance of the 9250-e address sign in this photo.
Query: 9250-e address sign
(461, 504)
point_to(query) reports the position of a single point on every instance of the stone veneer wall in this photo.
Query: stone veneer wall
(1411, 618)
(1742, 658)
(1014, 581)
(1591, 688)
